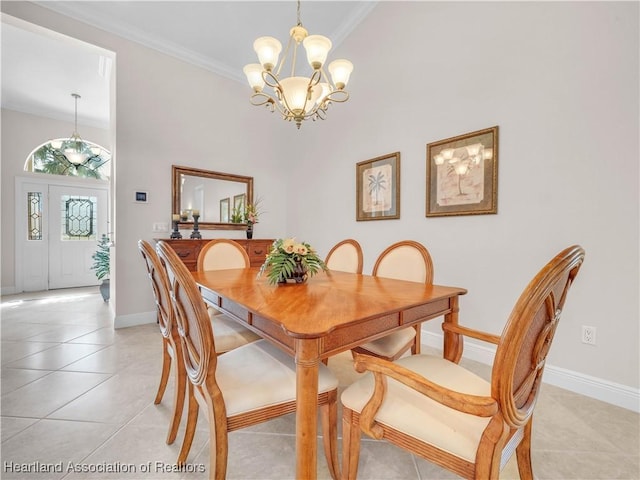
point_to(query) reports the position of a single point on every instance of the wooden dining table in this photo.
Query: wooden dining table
(331, 313)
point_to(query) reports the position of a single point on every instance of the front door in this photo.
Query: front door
(76, 214)
(58, 235)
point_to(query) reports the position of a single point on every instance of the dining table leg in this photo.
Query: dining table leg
(307, 361)
(453, 342)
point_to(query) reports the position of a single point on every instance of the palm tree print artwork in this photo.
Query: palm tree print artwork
(376, 185)
(378, 188)
(377, 194)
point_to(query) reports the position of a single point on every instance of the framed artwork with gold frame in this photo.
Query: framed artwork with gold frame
(462, 174)
(378, 188)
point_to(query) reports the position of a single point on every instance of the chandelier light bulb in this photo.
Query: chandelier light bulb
(297, 96)
(317, 47)
(268, 50)
(438, 159)
(253, 72)
(340, 71)
(75, 157)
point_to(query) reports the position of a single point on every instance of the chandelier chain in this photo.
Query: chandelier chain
(76, 97)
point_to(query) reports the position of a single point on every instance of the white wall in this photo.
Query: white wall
(559, 79)
(561, 82)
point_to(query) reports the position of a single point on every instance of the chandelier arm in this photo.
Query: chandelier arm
(271, 80)
(338, 96)
(258, 99)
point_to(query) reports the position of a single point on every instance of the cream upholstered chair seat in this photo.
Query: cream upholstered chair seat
(420, 417)
(258, 375)
(228, 333)
(391, 345)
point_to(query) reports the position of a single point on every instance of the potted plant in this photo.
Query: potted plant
(251, 215)
(291, 262)
(101, 265)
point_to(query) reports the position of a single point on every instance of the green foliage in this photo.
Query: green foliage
(101, 258)
(237, 214)
(283, 257)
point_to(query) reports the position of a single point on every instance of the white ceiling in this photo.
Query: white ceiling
(40, 69)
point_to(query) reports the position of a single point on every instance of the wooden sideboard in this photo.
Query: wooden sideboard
(188, 249)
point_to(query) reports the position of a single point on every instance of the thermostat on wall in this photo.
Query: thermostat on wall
(141, 197)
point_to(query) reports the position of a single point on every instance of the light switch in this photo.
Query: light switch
(161, 227)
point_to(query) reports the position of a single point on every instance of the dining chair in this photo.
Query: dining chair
(246, 386)
(171, 346)
(442, 412)
(220, 254)
(345, 256)
(405, 260)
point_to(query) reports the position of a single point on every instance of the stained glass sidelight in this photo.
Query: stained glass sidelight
(34, 215)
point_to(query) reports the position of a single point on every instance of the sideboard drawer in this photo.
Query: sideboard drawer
(189, 249)
(257, 250)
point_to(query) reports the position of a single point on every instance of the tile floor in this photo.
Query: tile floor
(77, 397)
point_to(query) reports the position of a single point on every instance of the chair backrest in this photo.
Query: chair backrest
(160, 285)
(405, 260)
(222, 253)
(527, 336)
(192, 319)
(345, 256)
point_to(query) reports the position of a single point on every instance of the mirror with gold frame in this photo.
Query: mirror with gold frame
(193, 189)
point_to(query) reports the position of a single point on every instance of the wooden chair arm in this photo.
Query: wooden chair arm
(470, 332)
(473, 404)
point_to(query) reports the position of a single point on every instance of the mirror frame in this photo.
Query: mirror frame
(177, 171)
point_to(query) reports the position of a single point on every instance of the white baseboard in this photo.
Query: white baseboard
(7, 291)
(593, 387)
(123, 321)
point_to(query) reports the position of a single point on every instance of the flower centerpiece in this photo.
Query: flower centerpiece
(291, 262)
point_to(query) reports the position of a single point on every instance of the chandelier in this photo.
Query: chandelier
(76, 151)
(296, 97)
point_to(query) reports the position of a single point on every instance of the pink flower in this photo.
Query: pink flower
(289, 245)
(300, 249)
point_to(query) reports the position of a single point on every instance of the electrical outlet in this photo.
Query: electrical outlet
(588, 335)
